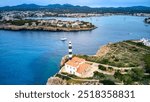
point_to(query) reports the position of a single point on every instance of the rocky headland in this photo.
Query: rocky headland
(126, 62)
(47, 25)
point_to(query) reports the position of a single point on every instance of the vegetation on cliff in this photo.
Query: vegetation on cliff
(126, 62)
(127, 54)
(122, 54)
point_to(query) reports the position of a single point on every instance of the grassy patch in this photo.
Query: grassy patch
(139, 44)
(147, 62)
(122, 54)
(63, 77)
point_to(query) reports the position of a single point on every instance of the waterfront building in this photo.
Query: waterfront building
(145, 42)
(33, 24)
(76, 66)
(26, 24)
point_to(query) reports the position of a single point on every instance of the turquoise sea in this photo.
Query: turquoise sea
(31, 57)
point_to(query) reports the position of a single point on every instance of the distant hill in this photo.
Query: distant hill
(67, 8)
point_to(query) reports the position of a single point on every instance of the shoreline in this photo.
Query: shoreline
(42, 28)
(62, 77)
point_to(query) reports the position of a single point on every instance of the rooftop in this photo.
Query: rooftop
(82, 68)
(75, 61)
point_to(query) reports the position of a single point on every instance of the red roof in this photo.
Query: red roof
(75, 61)
(83, 67)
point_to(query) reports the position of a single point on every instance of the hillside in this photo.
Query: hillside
(126, 62)
(121, 54)
(67, 8)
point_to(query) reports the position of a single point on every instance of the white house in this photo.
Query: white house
(76, 66)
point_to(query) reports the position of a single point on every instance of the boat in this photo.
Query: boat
(63, 39)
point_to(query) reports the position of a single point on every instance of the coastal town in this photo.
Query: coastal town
(47, 25)
(22, 20)
(17, 15)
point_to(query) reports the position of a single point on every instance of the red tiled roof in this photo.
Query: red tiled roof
(83, 67)
(75, 61)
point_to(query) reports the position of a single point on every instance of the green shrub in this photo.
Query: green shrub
(98, 75)
(110, 68)
(147, 62)
(137, 74)
(102, 67)
(62, 77)
(118, 75)
(107, 82)
(127, 79)
(20, 22)
(105, 61)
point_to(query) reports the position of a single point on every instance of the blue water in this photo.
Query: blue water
(31, 57)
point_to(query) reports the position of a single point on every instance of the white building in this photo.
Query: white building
(7, 18)
(76, 66)
(145, 42)
(33, 24)
(75, 25)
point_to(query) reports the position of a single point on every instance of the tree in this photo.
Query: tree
(98, 75)
(127, 80)
(107, 82)
(102, 67)
(137, 74)
(118, 75)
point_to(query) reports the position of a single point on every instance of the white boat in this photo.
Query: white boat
(63, 39)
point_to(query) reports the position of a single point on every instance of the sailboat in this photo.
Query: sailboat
(63, 38)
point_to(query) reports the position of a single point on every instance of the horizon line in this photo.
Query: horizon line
(74, 5)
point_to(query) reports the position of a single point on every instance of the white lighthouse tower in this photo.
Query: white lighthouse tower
(70, 50)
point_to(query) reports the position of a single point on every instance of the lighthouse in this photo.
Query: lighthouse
(70, 50)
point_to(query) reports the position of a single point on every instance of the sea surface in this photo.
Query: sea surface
(31, 57)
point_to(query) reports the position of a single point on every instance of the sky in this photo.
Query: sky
(91, 3)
